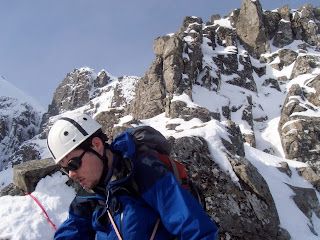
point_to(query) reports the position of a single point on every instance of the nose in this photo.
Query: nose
(73, 174)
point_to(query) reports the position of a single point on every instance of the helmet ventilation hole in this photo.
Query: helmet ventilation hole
(66, 133)
(73, 140)
(85, 119)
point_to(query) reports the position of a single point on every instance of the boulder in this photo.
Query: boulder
(27, 175)
(310, 176)
(284, 167)
(313, 96)
(273, 83)
(287, 57)
(305, 64)
(179, 109)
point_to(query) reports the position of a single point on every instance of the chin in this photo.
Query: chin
(88, 186)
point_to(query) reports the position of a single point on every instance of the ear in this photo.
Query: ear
(98, 145)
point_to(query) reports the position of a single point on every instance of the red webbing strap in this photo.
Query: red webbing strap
(43, 210)
(175, 170)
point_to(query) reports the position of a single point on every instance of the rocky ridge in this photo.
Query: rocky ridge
(255, 71)
(20, 118)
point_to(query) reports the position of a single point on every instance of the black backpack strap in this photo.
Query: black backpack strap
(146, 136)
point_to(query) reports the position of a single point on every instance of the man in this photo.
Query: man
(134, 195)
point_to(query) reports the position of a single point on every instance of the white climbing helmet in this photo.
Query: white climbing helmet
(69, 132)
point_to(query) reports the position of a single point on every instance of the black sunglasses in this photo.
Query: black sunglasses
(74, 163)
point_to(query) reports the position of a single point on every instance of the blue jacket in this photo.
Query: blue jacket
(160, 196)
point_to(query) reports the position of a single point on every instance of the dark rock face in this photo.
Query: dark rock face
(235, 147)
(248, 214)
(192, 36)
(251, 29)
(229, 65)
(271, 21)
(179, 64)
(284, 35)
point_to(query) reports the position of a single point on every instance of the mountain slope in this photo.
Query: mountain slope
(234, 100)
(20, 118)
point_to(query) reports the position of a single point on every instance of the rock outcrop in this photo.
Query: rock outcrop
(251, 29)
(76, 90)
(299, 127)
(248, 214)
(223, 72)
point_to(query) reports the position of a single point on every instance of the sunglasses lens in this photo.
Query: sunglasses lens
(74, 163)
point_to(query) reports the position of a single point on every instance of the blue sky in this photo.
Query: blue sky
(41, 40)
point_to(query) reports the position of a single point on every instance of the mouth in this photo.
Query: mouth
(82, 181)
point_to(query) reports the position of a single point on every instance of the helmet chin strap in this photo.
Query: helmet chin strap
(106, 173)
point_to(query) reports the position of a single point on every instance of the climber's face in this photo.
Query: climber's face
(84, 167)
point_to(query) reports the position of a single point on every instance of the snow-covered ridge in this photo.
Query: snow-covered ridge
(20, 118)
(9, 90)
(255, 104)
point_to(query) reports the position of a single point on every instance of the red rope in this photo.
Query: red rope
(43, 210)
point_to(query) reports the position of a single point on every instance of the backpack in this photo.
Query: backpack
(149, 139)
(144, 140)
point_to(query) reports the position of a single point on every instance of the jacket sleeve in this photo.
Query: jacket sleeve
(78, 225)
(179, 211)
